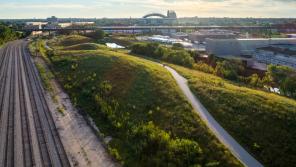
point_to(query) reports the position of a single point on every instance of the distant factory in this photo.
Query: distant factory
(279, 51)
(225, 47)
(202, 35)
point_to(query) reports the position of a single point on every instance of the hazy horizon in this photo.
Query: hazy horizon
(136, 9)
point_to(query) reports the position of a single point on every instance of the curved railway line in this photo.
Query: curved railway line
(28, 135)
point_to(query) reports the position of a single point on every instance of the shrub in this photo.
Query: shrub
(203, 67)
(283, 77)
(177, 56)
(96, 35)
(229, 69)
(161, 150)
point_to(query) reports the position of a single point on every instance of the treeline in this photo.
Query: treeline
(176, 54)
(7, 34)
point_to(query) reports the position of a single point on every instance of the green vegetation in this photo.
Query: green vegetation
(176, 55)
(96, 35)
(84, 46)
(6, 34)
(61, 110)
(123, 40)
(284, 78)
(46, 76)
(138, 103)
(264, 123)
(229, 69)
(73, 40)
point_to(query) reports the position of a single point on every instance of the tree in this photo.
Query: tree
(283, 77)
(255, 81)
(229, 69)
(7, 34)
(177, 46)
(278, 73)
(154, 50)
(98, 34)
(156, 147)
(289, 87)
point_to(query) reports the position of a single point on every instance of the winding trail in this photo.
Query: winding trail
(237, 150)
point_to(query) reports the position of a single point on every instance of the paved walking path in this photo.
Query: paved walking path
(237, 150)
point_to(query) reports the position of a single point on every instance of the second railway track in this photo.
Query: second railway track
(28, 135)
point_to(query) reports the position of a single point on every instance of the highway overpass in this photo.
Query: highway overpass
(153, 28)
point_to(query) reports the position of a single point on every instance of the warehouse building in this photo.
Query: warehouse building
(236, 47)
(201, 35)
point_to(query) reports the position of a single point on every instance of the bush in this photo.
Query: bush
(174, 55)
(229, 69)
(282, 77)
(177, 46)
(203, 67)
(159, 149)
(96, 35)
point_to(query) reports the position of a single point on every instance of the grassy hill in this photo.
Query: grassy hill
(262, 122)
(139, 105)
(72, 40)
(84, 46)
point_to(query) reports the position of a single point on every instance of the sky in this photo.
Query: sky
(138, 8)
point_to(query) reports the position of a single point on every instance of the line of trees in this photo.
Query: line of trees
(7, 34)
(176, 54)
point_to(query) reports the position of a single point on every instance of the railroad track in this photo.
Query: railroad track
(28, 135)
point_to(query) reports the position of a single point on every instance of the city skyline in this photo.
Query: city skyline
(136, 9)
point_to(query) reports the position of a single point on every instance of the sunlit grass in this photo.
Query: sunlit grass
(122, 93)
(263, 122)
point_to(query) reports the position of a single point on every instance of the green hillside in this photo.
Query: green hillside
(84, 46)
(139, 105)
(72, 40)
(262, 122)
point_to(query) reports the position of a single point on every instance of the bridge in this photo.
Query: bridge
(154, 15)
(170, 15)
(152, 28)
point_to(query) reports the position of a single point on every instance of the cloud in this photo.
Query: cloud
(136, 8)
(41, 6)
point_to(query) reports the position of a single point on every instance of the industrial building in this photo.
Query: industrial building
(179, 35)
(277, 54)
(202, 35)
(279, 51)
(235, 47)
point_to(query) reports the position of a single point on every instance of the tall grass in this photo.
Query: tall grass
(138, 103)
(262, 122)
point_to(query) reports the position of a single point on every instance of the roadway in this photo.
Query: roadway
(151, 28)
(224, 137)
(28, 135)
